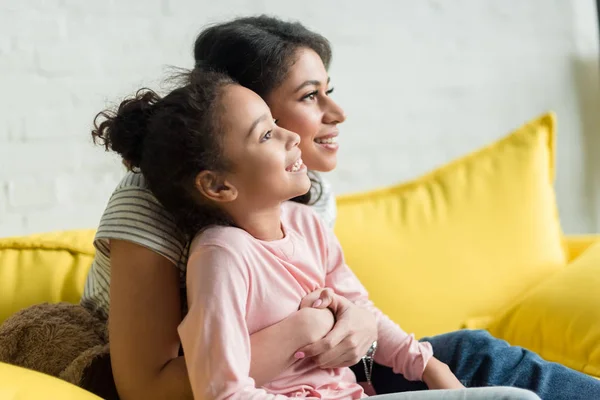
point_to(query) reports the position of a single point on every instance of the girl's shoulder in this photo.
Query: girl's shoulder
(224, 237)
(303, 219)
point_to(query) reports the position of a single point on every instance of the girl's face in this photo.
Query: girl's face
(265, 161)
(302, 105)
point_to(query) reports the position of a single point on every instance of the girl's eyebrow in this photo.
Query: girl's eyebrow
(310, 83)
(256, 122)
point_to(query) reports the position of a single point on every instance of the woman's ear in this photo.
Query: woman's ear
(214, 187)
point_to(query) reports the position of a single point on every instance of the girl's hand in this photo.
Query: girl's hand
(352, 335)
(320, 298)
(437, 375)
(313, 324)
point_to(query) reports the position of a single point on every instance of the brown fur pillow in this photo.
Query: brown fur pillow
(63, 340)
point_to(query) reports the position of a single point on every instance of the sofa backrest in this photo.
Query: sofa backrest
(49, 267)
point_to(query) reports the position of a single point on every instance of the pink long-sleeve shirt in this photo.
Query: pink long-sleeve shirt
(238, 285)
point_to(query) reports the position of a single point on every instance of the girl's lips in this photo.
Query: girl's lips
(296, 166)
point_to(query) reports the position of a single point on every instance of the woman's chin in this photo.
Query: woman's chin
(323, 164)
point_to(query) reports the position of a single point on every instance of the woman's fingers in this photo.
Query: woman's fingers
(330, 341)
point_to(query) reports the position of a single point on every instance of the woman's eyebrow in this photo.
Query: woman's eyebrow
(310, 83)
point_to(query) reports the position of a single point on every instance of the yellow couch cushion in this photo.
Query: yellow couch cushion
(23, 384)
(560, 318)
(50, 267)
(462, 241)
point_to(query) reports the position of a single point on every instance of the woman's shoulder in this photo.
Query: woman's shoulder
(324, 203)
(132, 192)
(134, 214)
(133, 179)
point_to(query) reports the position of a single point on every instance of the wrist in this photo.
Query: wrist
(312, 324)
(438, 375)
(433, 369)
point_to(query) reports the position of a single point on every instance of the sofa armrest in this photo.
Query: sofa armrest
(577, 244)
(18, 383)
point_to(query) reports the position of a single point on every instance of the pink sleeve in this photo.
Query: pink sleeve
(214, 334)
(395, 348)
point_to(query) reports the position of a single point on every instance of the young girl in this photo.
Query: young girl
(214, 157)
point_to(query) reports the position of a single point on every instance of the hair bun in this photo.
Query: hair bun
(125, 129)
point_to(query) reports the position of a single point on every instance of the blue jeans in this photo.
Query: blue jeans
(479, 359)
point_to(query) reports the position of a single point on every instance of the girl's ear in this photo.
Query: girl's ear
(214, 187)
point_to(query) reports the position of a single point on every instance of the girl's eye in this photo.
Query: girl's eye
(266, 136)
(329, 91)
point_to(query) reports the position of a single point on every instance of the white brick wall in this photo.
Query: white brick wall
(422, 81)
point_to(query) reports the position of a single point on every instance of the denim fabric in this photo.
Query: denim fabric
(478, 359)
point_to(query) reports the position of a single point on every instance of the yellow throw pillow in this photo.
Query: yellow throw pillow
(48, 267)
(560, 318)
(18, 383)
(462, 241)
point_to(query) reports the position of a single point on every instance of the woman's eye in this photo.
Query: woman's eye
(311, 95)
(329, 91)
(266, 136)
(275, 121)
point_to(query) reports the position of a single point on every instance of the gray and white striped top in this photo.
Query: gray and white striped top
(135, 215)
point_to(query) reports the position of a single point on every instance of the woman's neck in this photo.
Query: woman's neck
(263, 224)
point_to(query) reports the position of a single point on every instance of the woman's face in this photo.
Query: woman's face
(302, 105)
(266, 164)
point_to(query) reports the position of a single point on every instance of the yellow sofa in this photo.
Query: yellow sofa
(474, 244)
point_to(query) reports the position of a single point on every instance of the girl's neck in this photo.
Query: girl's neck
(263, 224)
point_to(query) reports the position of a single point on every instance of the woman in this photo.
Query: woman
(143, 255)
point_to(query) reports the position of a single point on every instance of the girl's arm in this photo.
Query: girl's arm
(145, 313)
(214, 333)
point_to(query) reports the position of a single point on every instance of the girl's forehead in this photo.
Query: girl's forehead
(241, 107)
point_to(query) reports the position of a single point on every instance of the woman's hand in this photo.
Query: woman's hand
(354, 331)
(437, 375)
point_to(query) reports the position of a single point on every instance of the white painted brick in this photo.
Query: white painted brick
(218, 10)
(86, 188)
(52, 125)
(22, 158)
(32, 6)
(13, 225)
(422, 82)
(83, 216)
(29, 192)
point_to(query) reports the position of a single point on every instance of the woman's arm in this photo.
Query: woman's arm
(144, 313)
(144, 316)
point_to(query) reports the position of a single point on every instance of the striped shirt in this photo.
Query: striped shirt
(133, 214)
